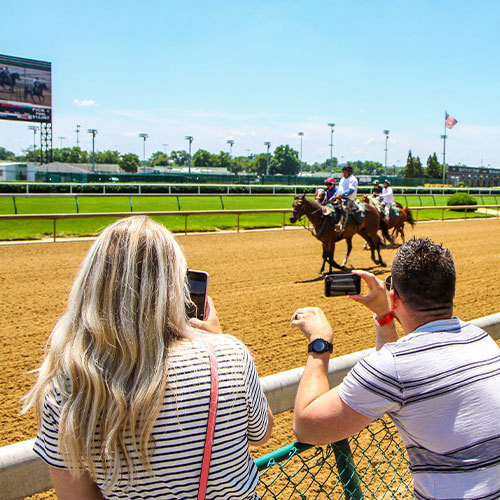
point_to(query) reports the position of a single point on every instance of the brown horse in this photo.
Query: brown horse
(395, 223)
(324, 230)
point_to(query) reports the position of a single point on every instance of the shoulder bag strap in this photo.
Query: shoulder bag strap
(212, 413)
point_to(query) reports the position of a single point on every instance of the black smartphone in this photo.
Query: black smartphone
(198, 286)
(338, 285)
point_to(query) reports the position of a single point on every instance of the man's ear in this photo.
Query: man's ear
(394, 299)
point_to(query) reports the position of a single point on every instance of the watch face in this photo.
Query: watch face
(319, 345)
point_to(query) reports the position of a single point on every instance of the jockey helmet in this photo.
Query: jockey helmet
(387, 182)
(330, 180)
(347, 167)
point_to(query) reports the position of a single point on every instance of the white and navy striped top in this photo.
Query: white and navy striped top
(441, 387)
(180, 429)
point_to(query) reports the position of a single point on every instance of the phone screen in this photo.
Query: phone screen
(337, 285)
(198, 285)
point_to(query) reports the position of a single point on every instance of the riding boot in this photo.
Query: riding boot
(339, 228)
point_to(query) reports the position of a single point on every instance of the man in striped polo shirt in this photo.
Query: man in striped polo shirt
(439, 383)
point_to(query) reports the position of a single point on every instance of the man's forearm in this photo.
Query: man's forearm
(314, 381)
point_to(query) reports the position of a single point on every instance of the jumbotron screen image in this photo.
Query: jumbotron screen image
(25, 89)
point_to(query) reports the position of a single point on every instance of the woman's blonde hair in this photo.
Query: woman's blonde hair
(107, 355)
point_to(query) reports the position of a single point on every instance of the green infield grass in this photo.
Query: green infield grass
(33, 229)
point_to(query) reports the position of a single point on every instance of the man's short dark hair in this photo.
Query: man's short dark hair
(423, 275)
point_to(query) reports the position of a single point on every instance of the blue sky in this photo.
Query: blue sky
(265, 70)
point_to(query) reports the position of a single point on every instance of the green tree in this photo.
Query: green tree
(159, 158)
(413, 167)
(434, 169)
(240, 164)
(223, 160)
(202, 158)
(129, 162)
(6, 155)
(180, 158)
(258, 164)
(285, 161)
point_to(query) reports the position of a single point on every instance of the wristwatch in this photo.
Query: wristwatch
(319, 346)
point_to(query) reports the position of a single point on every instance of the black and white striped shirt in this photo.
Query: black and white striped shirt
(179, 431)
(441, 386)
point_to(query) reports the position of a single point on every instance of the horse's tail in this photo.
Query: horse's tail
(409, 216)
(385, 229)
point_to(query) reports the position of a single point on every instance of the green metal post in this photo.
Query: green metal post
(76, 203)
(221, 202)
(130, 203)
(15, 206)
(178, 203)
(347, 471)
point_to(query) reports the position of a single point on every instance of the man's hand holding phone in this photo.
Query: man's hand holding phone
(376, 299)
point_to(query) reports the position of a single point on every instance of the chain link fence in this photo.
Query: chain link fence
(372, 464)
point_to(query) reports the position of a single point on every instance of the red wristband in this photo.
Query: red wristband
(385, 320)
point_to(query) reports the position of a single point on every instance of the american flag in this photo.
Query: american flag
(450, 121)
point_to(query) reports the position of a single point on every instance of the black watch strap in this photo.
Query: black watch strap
(320, 346)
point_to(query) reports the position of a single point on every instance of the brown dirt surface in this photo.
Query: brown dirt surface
(257, 280)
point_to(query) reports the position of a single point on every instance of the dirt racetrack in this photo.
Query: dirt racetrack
(257, 280)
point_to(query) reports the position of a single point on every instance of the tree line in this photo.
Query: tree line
(284, 160)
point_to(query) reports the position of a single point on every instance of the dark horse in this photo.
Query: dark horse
(9, 79)
(397, 224)
(36, 92)
(325, 232)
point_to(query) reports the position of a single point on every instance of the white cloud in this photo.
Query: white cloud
(84, 102)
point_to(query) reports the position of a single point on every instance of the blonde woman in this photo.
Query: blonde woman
(123, 394)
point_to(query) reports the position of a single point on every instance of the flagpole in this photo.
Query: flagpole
(444, 147)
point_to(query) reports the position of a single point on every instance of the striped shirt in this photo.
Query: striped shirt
(441, 386)
(179, 431)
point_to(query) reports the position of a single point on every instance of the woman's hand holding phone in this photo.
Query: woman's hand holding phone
(211, 323)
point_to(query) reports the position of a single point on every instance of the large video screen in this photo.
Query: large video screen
(25, 89)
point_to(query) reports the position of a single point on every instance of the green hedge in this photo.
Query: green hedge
(461, 199)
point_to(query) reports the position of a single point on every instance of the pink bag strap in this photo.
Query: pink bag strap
(212, 413)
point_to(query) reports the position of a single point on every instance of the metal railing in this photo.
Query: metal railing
(238, 213)
(372, 462)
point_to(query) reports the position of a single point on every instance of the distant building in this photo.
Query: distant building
(474, 176)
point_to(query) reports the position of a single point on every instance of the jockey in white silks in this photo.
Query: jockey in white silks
(386, 198)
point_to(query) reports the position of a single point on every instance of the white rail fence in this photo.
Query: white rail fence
(491, 209)
(23, 473)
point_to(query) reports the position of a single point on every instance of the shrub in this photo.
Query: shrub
(461, 199)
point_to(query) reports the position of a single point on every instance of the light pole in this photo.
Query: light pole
(444, 136)
(93, 131)
(332, 126)
(189, 138)
(143, 136)
(61, 139)
(230, 142)
(77, 138)
(386, 132)
(34, 128)
(268, 144)
(301, 135)
(165, 146)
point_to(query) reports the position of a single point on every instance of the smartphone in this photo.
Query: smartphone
(337, 285)
(198, 286)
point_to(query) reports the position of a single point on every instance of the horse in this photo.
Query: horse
(36, 91)
(394, 223)
(9, 79)
(324, 230)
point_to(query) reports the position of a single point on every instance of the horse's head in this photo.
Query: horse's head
(298, 208)
(319, 194)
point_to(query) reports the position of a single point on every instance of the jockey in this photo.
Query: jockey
(331, 191)
(387, 198)
(347, 190)
(377, 189)
(36, 82)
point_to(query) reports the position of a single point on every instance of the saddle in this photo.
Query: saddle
(335, 211)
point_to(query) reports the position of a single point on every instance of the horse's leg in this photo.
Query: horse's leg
(348, 240)
(377, 247)
(325, 258)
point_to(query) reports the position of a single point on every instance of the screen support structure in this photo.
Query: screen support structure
(46, 142)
